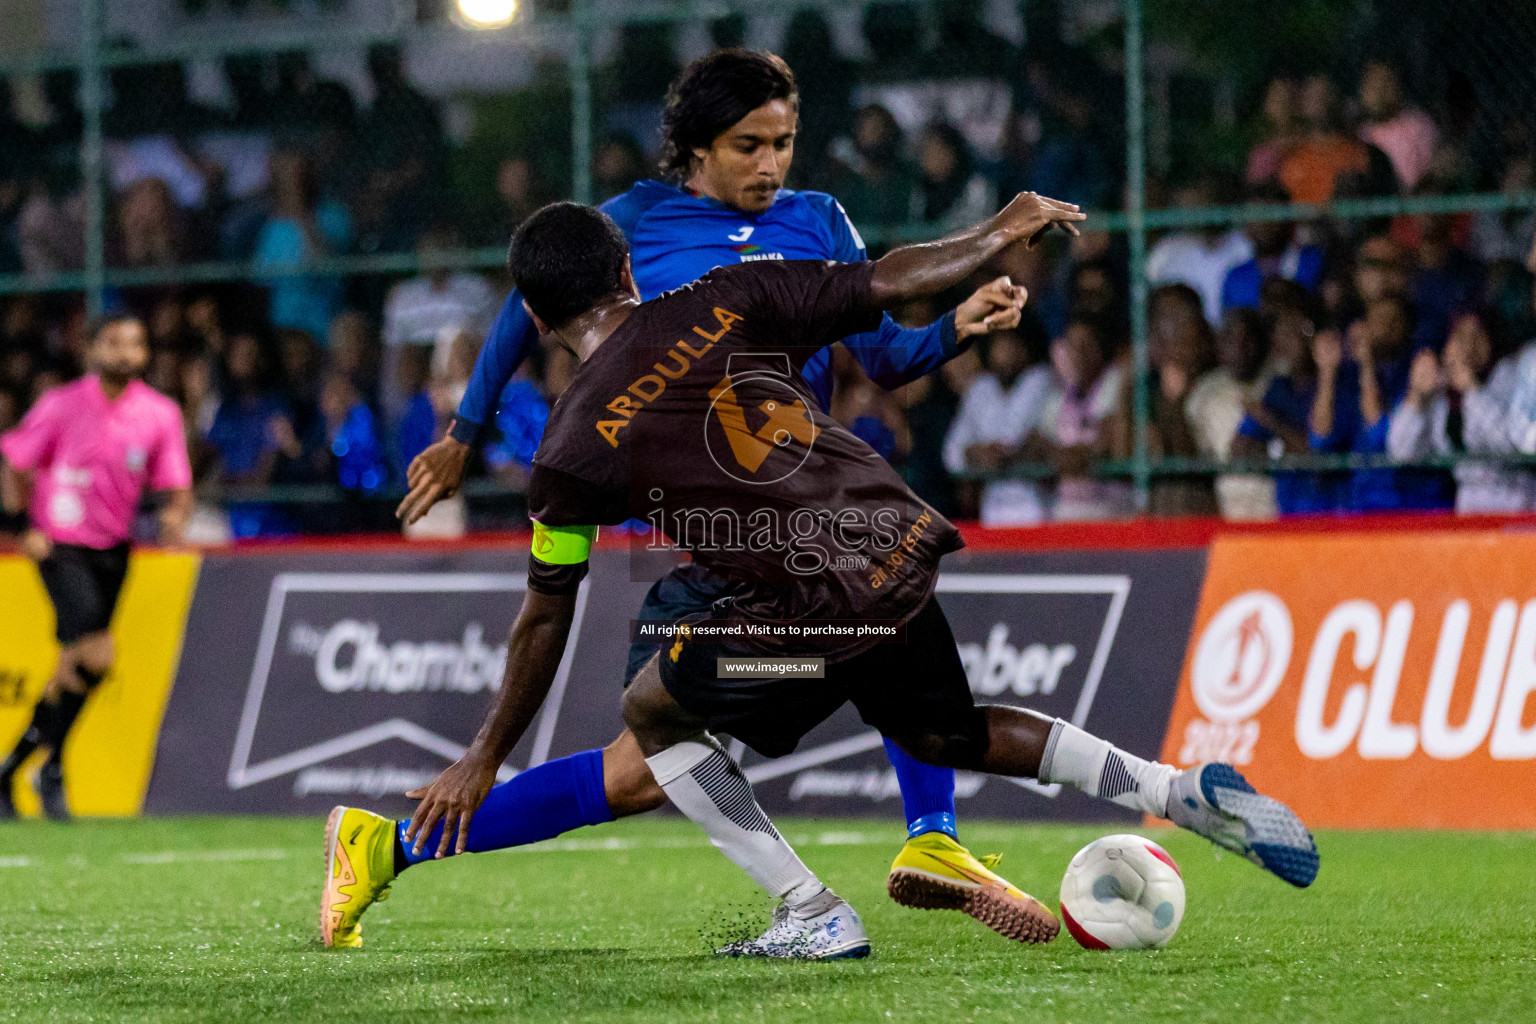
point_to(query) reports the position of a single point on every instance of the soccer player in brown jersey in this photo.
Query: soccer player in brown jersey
(728, 145)
(827, 542)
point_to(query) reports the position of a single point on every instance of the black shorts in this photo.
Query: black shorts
(83, 584)
(686, 594)
(915, 688)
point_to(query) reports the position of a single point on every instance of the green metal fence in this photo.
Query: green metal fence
(574, 25)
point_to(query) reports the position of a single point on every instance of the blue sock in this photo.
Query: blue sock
(540, 803)
(927, 793)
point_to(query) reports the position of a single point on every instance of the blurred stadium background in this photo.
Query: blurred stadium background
(161, 155)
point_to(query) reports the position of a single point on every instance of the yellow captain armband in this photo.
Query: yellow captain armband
(559, 561)
(562, 545)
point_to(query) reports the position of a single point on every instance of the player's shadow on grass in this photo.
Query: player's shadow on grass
(532, 957)
(545, 961)
(556, 958)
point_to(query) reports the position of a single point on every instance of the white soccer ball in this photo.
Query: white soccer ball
(1122, 892)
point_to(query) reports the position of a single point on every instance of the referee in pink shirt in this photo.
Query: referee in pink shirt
(71, 478)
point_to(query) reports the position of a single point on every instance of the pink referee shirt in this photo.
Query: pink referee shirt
(92, 458)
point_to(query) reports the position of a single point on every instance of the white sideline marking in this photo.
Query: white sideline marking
(616, 843)
(202, 856)
(170, 857)
(609, 845)
(603, 845)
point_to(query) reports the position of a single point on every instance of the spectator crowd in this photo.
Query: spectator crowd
(1398, 338)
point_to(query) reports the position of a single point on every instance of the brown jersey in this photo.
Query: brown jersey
(693, 417)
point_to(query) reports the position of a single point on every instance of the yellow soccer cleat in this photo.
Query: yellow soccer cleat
(359, 866)
(934, 872)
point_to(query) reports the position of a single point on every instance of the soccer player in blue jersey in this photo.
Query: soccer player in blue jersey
(729, 132)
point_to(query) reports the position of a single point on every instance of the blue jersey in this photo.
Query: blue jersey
(676, 237)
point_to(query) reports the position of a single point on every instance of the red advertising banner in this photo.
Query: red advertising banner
(1371, 680)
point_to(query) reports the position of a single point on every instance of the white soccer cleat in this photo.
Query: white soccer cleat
(823, 928)
(1215, 801)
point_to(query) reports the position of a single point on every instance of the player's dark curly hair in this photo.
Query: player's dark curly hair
(713, 93)
(565, 259)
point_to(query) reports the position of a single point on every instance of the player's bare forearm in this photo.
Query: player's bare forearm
(175, 516)
(533, 656)
(917, 271)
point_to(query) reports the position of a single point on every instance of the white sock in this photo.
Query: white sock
(706, 784)
(1101, 769)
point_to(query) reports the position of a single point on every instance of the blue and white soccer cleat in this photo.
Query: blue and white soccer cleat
(1215, 801)
(824, 928)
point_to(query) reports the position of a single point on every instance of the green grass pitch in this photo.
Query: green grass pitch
(215, 920)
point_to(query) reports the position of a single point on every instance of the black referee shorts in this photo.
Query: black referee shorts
(916, 688)
(83, 584)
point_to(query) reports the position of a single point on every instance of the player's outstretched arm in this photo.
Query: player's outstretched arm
(509, 341)
(436, 473)
(916, 271)
(533, 656)
(893, 356)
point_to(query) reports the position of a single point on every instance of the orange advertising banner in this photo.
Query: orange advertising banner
(1373, 680)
